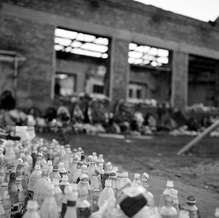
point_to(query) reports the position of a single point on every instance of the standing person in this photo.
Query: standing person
(7, 101)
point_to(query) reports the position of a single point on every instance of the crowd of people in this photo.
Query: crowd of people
(89, 115)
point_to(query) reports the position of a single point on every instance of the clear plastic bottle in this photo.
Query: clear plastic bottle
(10, 156)
(6, 200)
(50, 167)
(55, 174)
(73, 169)
(174, 193)
(2, 175)
(123, 181)
(107, 194)
(107, 171)
(64, 185)
(168, 210)
(71, 196)
(169, 186)
(32, 210)
(41, 187)
(84, 187)
(145, 183)
(83, 209)
(34, 177)
(137, 179)
(21, 192)
(62, 170)
(49, 208)
(2, 211)
(57, 194)
(12, 188)
(67, 158)
(191, 207)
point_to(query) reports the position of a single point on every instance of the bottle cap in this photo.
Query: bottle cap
(191, 199)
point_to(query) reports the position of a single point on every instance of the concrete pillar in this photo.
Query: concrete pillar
(119, 70)
(179, 79)
(217, 84)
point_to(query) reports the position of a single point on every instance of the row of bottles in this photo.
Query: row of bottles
(45, 179)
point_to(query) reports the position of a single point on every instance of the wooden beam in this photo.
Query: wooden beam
(196, 140)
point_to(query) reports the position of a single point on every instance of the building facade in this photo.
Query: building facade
(28, 28)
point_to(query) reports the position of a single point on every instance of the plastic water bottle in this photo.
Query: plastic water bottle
(137, 180)
(34, 177)
(145, 183)
(113, 179)
(2, 175)
(83, 209)
(73, 169)
(169, 186)
(174, 193)
(67, 158)
(21, 192)
(107, 171)
(6, 200)
(62, 170)
(41, 187)
(123, 181)
(54, 175)
(10, 154)
(107, 194)
(84, 187)
(71, 196)
(32, 210)
(2, 211)
(50, 167)
(66, 189)
(191, 207)
(168, 210)
(49, 208)
(57, 194)
(12, 188)
(183, 214)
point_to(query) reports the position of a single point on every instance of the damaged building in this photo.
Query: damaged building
(107, 48)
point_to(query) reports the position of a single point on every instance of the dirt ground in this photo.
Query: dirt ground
(196, 173)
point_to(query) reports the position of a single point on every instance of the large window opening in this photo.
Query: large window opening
(82, 64)
(150, 73)
(203, 81)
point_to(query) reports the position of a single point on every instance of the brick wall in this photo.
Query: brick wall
(134, 17)
(35, 42)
